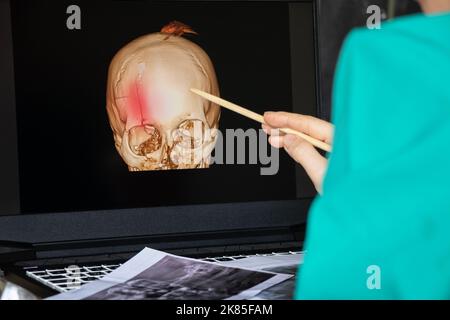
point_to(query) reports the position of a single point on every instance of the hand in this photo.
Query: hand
(300, 150)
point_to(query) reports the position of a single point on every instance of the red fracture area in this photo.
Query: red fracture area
(137, 104)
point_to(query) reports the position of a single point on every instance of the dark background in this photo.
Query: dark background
(336, 19)
(67, 157)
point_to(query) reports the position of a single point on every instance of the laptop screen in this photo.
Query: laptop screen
(105, 118)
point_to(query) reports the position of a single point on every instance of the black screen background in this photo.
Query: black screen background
(67, 157)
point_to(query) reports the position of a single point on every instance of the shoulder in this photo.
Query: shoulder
(402, 34)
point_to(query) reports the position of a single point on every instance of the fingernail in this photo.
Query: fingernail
(271, 142)
(267, 113)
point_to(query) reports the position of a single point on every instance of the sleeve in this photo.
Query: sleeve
(385, 203)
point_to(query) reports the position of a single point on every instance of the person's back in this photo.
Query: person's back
(386, 196)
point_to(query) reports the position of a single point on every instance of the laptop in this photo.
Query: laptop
(92, 91)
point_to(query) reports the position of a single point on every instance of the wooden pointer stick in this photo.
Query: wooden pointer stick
(259, 118)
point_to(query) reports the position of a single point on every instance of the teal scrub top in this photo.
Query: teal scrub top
(381, 229)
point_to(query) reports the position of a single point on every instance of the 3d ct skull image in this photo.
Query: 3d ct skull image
(157, 122)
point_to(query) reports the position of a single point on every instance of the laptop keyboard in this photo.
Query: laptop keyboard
(72, 277)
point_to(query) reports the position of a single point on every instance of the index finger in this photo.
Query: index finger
(309, 125)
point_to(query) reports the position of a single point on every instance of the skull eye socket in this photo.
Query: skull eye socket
(145, 140)
(188, 143)
(189, 134)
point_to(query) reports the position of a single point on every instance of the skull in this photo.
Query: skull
(157, 122)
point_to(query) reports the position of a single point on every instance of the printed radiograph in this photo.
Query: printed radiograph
(173, 278)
